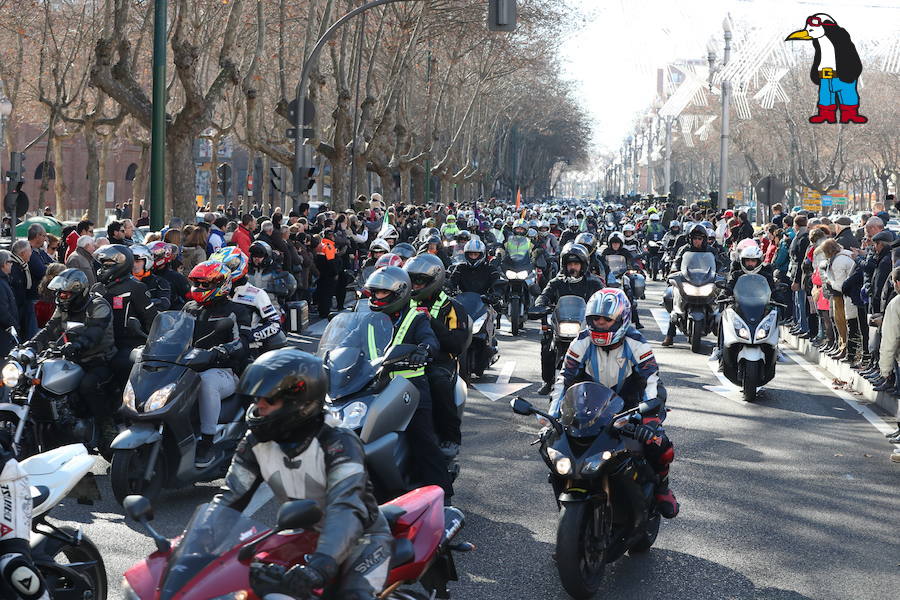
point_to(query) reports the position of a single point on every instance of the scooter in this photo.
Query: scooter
(362, 395)
(212, 557)
(750, 335)
(690, 298)
(160, 400)
(482, 350)
(69, 562)
(603, 484)
(654, 257)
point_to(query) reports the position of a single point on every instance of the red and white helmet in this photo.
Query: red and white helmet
(609, 303)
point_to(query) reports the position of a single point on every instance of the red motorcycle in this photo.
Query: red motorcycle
(212, 557)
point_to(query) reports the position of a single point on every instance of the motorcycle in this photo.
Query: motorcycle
(211, 559)
(690, 297)
(750, 335)
(482, 350)
(69, 562)
(604, 484)
(363, 397)
(563, 325)
(521, 284)
(161, 401)
(654, 257)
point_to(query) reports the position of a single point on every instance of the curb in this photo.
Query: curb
(841, 370)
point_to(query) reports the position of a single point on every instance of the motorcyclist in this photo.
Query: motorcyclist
(589, 241)
(475, 274)
(611, 352)
(377, 249)
(449, 228)
(615, 245)
(570, 233)
(290, 447)
(266, 331)
(450, 324)
(265, 274)
(159, 288)
(91, 346)
(573, 279)
(549, 241)
(163, 256)
(390, 290)
(404, 251)
(435, 247)
(128, 298)
(209, 304)
(389, 234)
(631, 241)
(19, 578)
(698, 242)
(497, 231)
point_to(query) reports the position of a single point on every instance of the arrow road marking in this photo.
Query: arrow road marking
(502, 388)
(506, 372)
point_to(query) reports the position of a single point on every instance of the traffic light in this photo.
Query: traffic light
(224, 175)
(16, 171)
(307, 180)
(501, 15)
(275, 179)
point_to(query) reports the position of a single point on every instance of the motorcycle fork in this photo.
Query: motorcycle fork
(154, 456)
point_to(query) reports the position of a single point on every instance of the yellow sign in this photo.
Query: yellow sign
(200, 200)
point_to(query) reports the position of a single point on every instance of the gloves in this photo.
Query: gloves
(69, 350)
(420, 357)
(219, 353)
(643, 433)
(266, 578)
(301, 580)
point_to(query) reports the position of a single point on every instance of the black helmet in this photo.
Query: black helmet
(698, 231)
(298, 378)
(462, 236)
(574, 252)
(429, 270)
(588, 240)
(116, 262)
(404, 251)
(71, 289)
(394, 280)
(261, 249)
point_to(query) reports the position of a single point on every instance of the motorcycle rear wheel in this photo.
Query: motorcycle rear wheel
(84, 552)
(580, 550)
(126, 474)
(696, 338)
(752, 377)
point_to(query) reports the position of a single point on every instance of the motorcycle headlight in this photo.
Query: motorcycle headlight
(523, 274)
(765, 327)
(159, 398)
(353, 415)
(479, 323)
(569, 329)
(698, 290)
(592, 464)
(128, 396)
(11, 373)
(561, 462)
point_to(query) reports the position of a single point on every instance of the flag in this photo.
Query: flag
(583, 226)
(518, 198)
(384, 223)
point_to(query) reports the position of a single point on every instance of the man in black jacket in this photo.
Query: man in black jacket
(698, 242)
(797, 253)
(573, 279)
(9, 314)
(476, 274)
(845, 235)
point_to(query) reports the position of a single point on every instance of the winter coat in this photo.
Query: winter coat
(890, 338)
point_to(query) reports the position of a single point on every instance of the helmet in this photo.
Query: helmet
(473, 225)
(393, 280)
(141, 252)
(654, 216)
(389, 260)
(573, 224)
(534, 224)
(675, 225)
(299, 380)
(71, 290)
(751, 253)
(615, 236)
(233, 258)
(379, 245)
(588, 240)
(611, 303)
(451, 218)
(498, 223)
(475, 246)
(531, 233)
(426, 270)
(405, 251)
(432, 240)
(116, 262)
(553, 222)
(698, 231)
(746, 244)
(429, 222)
(262, 250)
(520, 224)
(651, 210)
(628, 228)
(572, 253)
(163, 253)
(462, 237)
(209, 280)
(388, 232)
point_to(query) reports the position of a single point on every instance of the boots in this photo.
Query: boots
(205, 453)
(666, 503)
(827, 114)
(668, 341)
(849, 114)
(545, 389)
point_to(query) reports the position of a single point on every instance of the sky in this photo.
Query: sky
(614, 56)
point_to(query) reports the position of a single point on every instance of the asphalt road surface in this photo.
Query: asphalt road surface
(790, 498)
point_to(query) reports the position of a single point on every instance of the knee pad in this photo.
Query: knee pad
(20, 576)
(667, 456)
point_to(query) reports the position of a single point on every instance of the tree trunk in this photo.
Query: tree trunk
(93, 172)
(139, 185)
(405, 184)
(182, 176)
(59, 184)
(101, 177)
(418, 184)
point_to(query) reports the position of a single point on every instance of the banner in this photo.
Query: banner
(518, 199)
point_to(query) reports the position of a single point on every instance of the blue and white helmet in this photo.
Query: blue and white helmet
(610, 303)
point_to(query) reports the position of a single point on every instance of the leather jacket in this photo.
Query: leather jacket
(95, 340)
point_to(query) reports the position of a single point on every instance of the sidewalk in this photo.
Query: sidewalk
(841, 370)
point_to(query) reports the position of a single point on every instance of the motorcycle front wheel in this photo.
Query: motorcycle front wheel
(581, 548)
(28, 444)
(696, 337)
(651, 530)
(126, 473)
(752, 377)
(515, 315)
(83, 558)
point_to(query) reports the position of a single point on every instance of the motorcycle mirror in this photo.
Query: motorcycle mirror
(298, 514)
(138, 508)
(521, 406)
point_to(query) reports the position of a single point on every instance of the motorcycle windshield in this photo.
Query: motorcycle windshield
(171, 335)
(587, 408)
(570, 309)
(369, 331)
(472, 303)
(698, 268)
(617, 263)
(752, 295)
(211, 532)
(517, 263)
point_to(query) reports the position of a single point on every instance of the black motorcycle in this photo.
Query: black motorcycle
(604, 484)
(562, 323)
(690, 299)
(654, 257)
(482, 350)
(161, 402)
(521, 282)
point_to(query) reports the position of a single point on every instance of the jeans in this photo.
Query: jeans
(215, 384)
(801, 312)
(834, 91)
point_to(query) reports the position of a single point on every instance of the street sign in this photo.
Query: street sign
(826, 200)
(769, 190)
(839, 197)
(309, 112)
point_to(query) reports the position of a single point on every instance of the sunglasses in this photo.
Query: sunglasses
(818, 22)
(267, 401)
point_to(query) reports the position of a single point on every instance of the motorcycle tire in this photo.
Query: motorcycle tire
(87, 558)
(126, 474)
(515, 315)
(696, 338)
(407, 595)
(651, 530)
(752, 377)
(28, 445)
(580, 558)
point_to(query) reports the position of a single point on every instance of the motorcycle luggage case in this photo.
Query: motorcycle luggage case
(296, 316)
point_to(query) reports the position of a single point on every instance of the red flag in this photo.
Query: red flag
(518, 198)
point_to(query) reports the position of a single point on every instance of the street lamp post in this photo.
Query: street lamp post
(726, 98)
(5, 110)
(668, 163)
(158, 118)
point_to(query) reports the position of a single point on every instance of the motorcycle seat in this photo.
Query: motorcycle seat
(392, 514)
(402, 552)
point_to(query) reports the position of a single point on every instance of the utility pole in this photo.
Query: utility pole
(723, 145)
(158, 118)
(668, 164)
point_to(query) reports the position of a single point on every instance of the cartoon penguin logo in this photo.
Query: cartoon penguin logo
(835, 69)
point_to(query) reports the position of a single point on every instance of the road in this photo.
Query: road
(789, 498)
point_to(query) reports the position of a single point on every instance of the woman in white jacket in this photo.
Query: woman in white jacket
(840, 267)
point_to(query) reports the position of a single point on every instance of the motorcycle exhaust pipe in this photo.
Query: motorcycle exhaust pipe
(454, 519)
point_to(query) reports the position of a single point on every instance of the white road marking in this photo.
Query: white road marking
(661, 316)
(502, 388)
(506, 372)
(726, 389)
(864, 411)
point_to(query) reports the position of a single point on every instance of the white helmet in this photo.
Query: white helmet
(388, 232)
(751, 253)
(628, 228)
(379, 245)
(654, 216)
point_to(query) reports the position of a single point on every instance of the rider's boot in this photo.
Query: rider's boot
(206, 453)
(546, 388)
(666, 503)
(668, 341)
